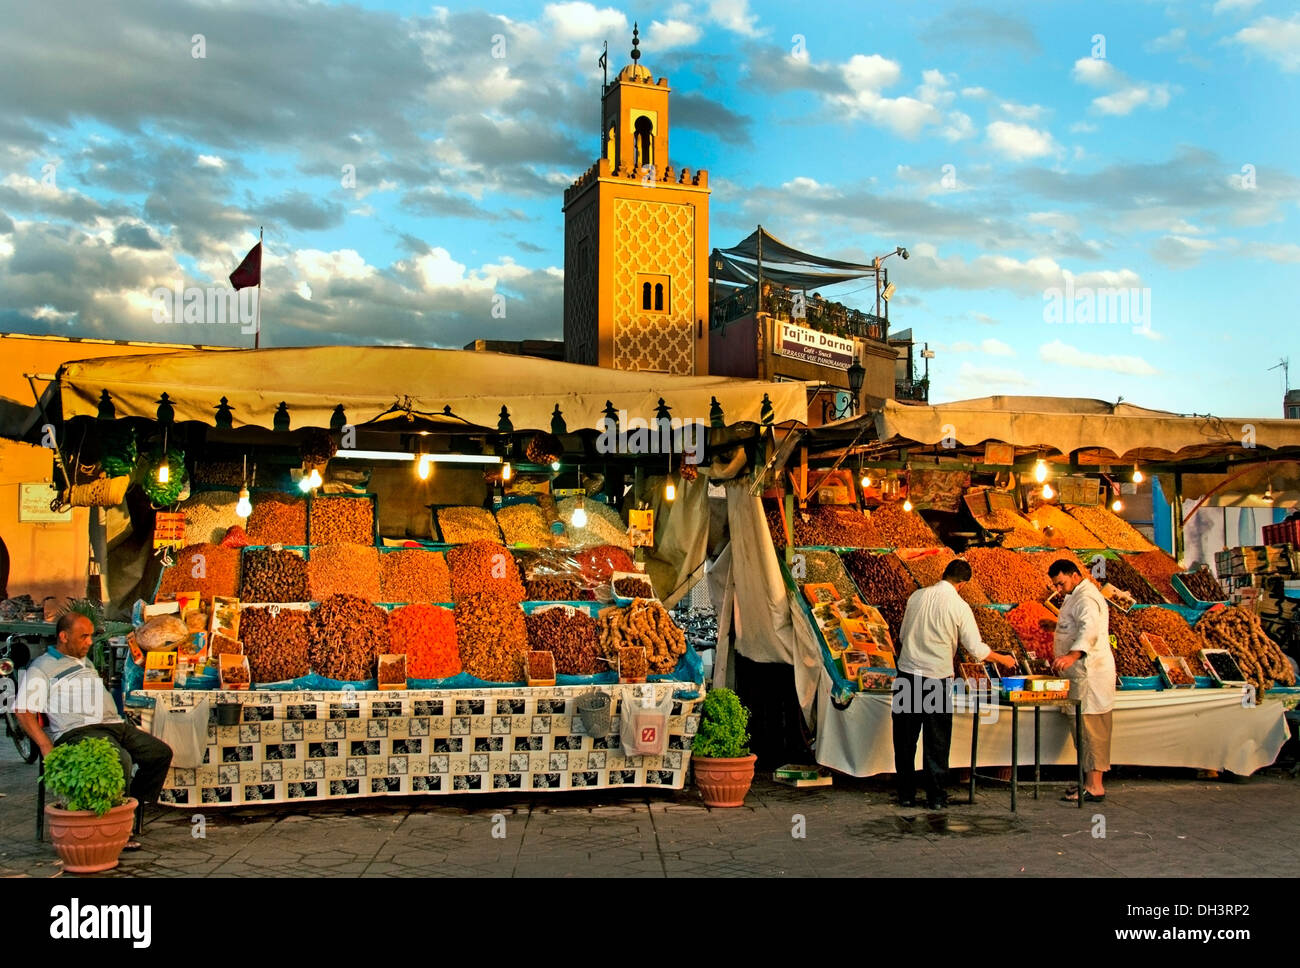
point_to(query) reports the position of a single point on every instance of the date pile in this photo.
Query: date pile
(1007, 577)
(492, 636)
(343, 569)
(1157, 568)
(885, 583)
(572, 638)
(1127, 578)
(1130, 658)
(1202, 584)
(995, 631)
(551, 590)
(273, 576)
(347, 636)
(484, 567)
(335, 519)
(276, 645)
(278, 520)
(633, 588)
(1238, 630)
(427, 636)
(1172, 627)
(644, 623)
(414, 575)
(208, 569)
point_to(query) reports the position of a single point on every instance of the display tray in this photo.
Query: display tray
(306, 746)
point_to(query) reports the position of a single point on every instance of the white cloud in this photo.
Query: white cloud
(870, 72)
(1280, 252)
(1223, 6)
(974, 92)
(977, 381)
(1082, 127)
(1023, 112)
(735, 16)
(1174, 40)
(1066, 355)
(578, 21)
(304, 290)
(995, 347)
(959, 127)
(670, 34)
(1094, 71)
(1019, 142)
(984, 318)
(1278, 40)
(315, 264)
(1125, 94)
(211, 161)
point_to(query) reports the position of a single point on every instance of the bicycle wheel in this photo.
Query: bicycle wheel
(26, 746)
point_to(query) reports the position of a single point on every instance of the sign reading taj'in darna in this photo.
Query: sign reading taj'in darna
(801, 343)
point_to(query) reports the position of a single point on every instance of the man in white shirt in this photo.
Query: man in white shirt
(1084, 656)
(937, 620)
(63, 685)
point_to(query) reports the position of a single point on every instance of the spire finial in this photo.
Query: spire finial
(636, 42)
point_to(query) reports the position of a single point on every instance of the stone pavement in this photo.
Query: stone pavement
(1157, 823)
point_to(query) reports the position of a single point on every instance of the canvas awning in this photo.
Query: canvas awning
(459, 388)
(781, 263)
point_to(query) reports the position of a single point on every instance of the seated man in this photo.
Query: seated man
(64, 685)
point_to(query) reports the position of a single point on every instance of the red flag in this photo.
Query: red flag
(249, 272)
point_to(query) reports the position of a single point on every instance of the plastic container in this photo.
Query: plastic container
(1205, 682)
(1151, 683)
(637, 575)
(1013, 683)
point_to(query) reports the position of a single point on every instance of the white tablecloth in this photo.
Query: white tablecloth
(1201, 728)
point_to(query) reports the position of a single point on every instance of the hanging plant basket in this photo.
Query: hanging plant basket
(106, 492)
(178, 484)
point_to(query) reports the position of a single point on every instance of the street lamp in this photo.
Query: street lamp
(875, 263)
(856, 374)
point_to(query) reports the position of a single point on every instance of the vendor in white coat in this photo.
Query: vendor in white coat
(1084, 656)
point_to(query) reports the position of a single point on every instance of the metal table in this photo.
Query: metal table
(1015, 708)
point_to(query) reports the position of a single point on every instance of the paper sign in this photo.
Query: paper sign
(169, 529)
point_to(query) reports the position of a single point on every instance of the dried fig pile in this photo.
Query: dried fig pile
(273, 576)
(347, 636)
(572, 638)
(276, 645)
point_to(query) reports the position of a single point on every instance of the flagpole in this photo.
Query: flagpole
(257, 330)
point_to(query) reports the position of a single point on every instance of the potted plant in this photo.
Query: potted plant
(92, 820)
(724, 767)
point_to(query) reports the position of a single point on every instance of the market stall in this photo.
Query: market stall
(466, 583)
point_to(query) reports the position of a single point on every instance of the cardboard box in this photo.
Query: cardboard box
(160, 670)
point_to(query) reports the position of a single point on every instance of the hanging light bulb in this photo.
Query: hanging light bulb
(555, 465)
(866, 480)
(164, 471)
(579, 519)
(1048, 493)
(316, 479)
(243, 507)
(1040, 470)
(1268, 494)
(907, 504)
(1138, 476)
(304, 483)
(1117, 505)
(424, 466)
(507, 471)
(670, 492)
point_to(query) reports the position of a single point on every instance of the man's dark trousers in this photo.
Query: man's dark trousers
(922, 708)
(151, 755)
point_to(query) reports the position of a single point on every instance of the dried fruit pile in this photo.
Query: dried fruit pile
(1019, 532)
(881, 577)
(525, 524)
(927, 568)
(335, 519)
(347, 636)
(551, 590)
(822, 568)
(1127, 578)
(1180, 637)
(891, 527)
(208, 516)
(276, 645)
(1113, 530)
(603, 527)
(1174, 671)
(1059, 530)
(343, 569)
(1025, 620)
(1157, 568)
(414, 575)
(632, 663)
(392, 669)
(644, 623)
(216, 572)
(633, 588)
(1008, 577)
(572, 638)
(1203, 585)
(830, 525)
(995, 631)
(492, 637)
(278, 519)
(273, 576)
(1130, 658)
(599, 564)
(1043, 560)
(484, 567)
(1237, 629)
(461, 525)
(427, 636)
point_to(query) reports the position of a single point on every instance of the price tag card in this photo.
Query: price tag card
(169, 529)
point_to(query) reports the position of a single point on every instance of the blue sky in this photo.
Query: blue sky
(408, 163)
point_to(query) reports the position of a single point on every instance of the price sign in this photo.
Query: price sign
(169, 529)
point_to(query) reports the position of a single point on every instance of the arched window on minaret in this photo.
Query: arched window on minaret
(659, 296)
(611, 147)
(644, 141)
(645, 295)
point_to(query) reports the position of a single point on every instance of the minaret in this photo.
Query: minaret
(636, 241)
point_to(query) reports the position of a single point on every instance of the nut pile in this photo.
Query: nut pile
(1019, 532)
(347, 637)
(276, 645)
(1025, 619)
(492, 637)
(273, 576)
(525, 524)
(1157, 568)
(633, 588)
(208, 516)
(995, 631)
(1008, 577)
(426, 634)
(927, 568)
(891, 527)
(604, 525)
(278, 519)
(882, 578)
(463, 524)
(1204, 585)
(1179, 636)
(343, 569)
(647, 624)
(572, 638)
(1238, 630)
(484, 567)
(1130, 657)
(1113, 530)
(1059, 530)
(551, 590)
(823, 568)
(1127, 578)
(414, 575)
(206, 568)
(335, 519)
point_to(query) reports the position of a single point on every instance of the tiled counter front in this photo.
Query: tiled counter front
(294, 746)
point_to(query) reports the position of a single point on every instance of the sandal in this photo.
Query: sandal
(1088, 797)
(133, 845)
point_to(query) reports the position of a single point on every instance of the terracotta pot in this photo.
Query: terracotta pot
(88, 844)
(724, 782)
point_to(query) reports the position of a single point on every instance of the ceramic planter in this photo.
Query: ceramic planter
(724, 782)
(86, 843)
